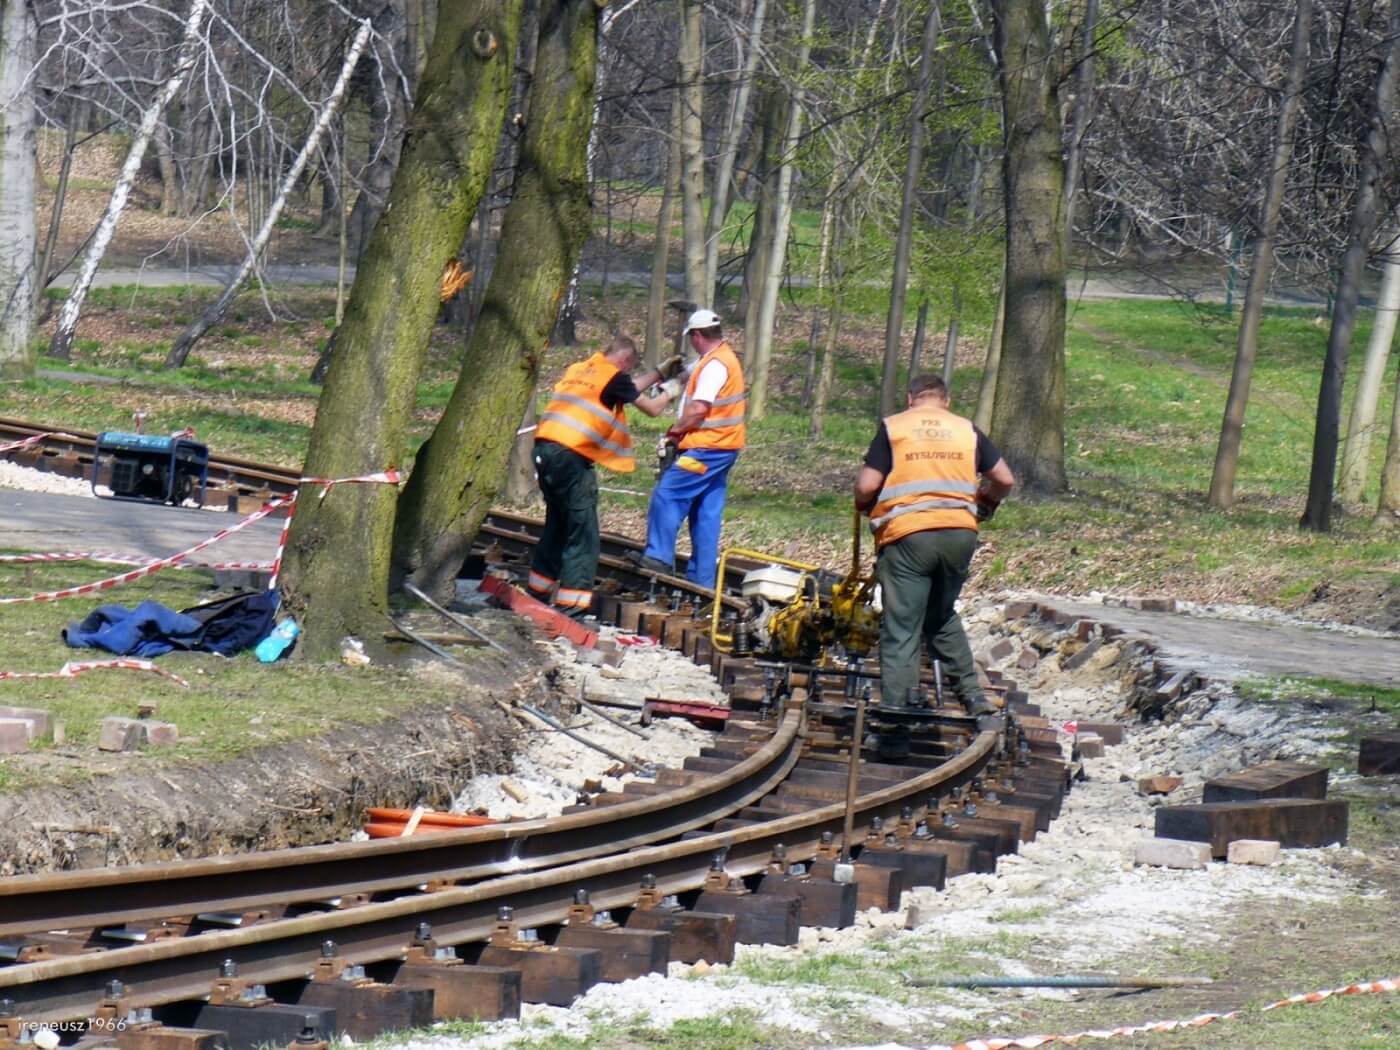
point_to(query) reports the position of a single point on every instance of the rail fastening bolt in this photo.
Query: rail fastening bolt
(424, 931)
(580, 896)
(329, 950)
(228, 969)
(115, 989)
(505, 913)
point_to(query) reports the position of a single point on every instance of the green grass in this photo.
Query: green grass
(1357, 698)
(231, 705)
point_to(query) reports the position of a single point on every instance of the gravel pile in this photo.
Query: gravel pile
(25, 479)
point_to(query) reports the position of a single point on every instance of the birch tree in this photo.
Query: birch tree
(904, 239)
(692, 57)
(214, 313)
(18, 234)
(1356, 455)
(61, 345)
(761, 336)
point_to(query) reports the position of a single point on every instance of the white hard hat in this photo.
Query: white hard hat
(701, 318)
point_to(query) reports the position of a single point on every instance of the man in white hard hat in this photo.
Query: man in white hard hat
(708, 436)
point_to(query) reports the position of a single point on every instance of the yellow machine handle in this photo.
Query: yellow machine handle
(725, 642)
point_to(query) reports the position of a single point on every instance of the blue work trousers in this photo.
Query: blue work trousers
(693, 490)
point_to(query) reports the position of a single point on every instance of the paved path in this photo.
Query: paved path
(1232, 649)
(46, 521)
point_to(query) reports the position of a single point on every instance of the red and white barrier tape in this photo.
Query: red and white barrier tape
(388, 477)
(1029, 1042)
(73, 668)
(112, 558)
(25, 443)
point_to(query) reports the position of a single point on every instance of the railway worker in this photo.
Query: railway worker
(583, 425)
(919, 484)
(708, 437)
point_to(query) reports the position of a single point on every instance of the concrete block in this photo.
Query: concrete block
(1252, 851)
(43, 723)
(15, 734)
(1089, 745)
(120, 734)
(1150, 604)
(1000, 651)
(1158, 785)
(1028, 659)
(1018, 610)
(1172, 853)
(1111, 732)
(161, 734)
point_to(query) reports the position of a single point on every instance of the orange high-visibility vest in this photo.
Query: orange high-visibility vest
(932, 483)
(577, 418)
(723, 427)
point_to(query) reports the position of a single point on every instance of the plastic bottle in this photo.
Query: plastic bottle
(278, 642)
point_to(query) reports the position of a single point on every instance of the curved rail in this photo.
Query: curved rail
(177, 969)
(114, 896)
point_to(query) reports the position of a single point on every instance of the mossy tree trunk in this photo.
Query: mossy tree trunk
(459, 469)
(1028, 417)
(337, 562)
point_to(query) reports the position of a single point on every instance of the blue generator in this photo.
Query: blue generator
(150, 467)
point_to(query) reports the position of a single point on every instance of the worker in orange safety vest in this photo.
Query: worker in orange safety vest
(920, 486)
(584, 426)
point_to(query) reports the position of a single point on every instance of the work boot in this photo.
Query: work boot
(646, 564)
(978, 706)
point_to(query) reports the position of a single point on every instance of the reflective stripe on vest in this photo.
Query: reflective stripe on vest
(723, 426)
(932, 483)
(577, 418)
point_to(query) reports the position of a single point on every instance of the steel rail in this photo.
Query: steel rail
(115, 896)
(184, 968)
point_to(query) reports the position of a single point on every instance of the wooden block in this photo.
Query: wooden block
(1379, 755)
(876, 887)
(1024, 817)
(696, 936)
(625, 953)
(759, 919)
(363, 1011)
(552, 975)
(1290, 822)
(1268, 780)
(920, 867)
(251, 1027)
(1110, 732)
(824, 902)
(1006, 834)
(161, 1037)
(468, 993)
(960, 857)
(1158, 785)
(1043, 806)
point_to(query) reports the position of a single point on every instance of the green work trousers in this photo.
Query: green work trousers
(920, 577)
(567, 553)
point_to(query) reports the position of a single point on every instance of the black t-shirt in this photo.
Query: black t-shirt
(881, 457)
(619, 391)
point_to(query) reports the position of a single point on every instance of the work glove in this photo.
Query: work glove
(986, 506)
(663, 446)
(672, 387)
(670, 367)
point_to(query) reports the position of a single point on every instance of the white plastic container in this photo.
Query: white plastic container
(773, 583)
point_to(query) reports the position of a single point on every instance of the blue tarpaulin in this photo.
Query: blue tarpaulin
(226, 626)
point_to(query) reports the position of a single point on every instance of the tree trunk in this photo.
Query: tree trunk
(337, 564)
(661, 254)
(761, 341)
(721, 193)
(18, 231)
(214, 312)
(920, 328)
(826, 370)
(389, 108)
(458, 471)
(1028, 418)
(61, 346)
(169, 174)
(692, 57)
(1357, 454)
(1388, 509)
(987, 391)
(950, 352)
(899, 281)
(756, 267)
(1083, 113)
(1227, 452)
(1317, 516)
(77, 118)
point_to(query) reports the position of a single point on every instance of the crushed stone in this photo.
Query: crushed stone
(1073, 893)
(26, 479)
(552, 768)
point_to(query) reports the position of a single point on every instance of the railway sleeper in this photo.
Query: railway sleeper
(253, 1023)
(876, 886)
(696, 936)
